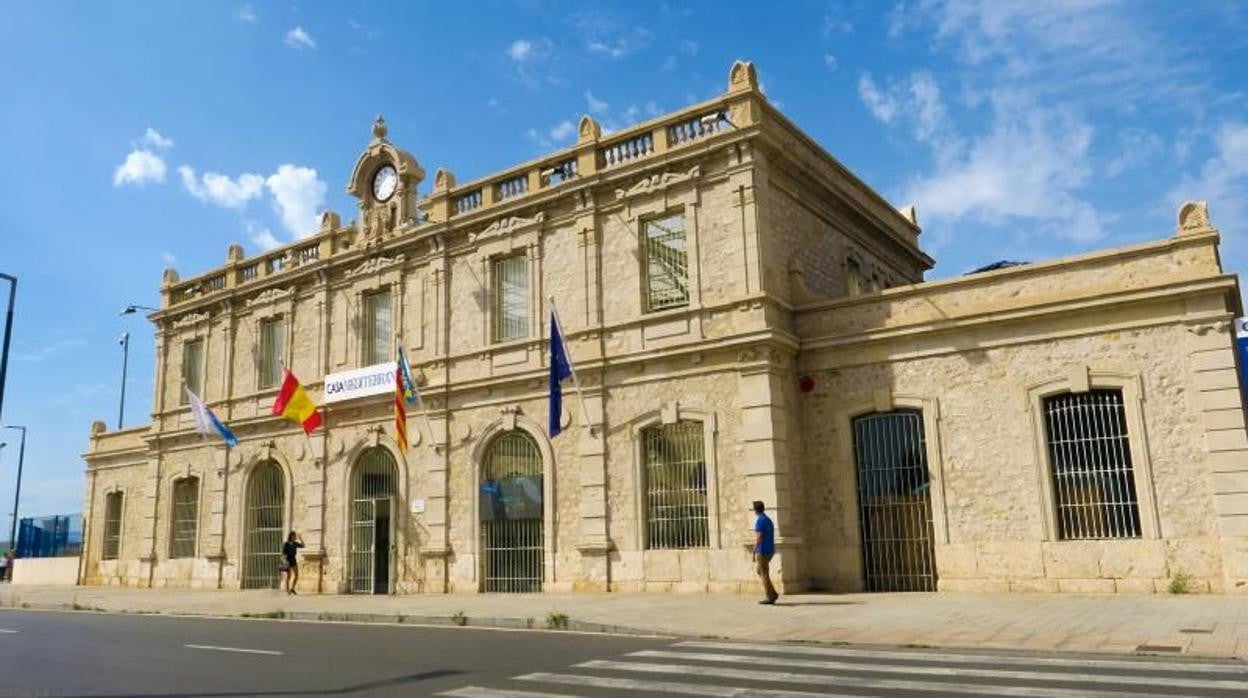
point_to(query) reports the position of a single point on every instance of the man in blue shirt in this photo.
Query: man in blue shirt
(764, 548)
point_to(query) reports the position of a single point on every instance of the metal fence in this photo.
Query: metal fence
(511, 510)
(894, 501)
(675, 471)
(49, 536)
(1090, 460)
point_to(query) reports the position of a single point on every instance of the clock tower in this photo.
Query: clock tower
(384, 180)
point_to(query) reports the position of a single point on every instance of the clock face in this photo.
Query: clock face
(385, 182)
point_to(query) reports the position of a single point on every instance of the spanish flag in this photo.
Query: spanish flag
(294, 404)
(400, 411)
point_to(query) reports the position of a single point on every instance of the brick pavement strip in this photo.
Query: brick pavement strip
(1118, 623)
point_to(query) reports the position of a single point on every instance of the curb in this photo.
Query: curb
(554, 622)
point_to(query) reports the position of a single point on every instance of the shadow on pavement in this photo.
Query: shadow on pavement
(345, 690)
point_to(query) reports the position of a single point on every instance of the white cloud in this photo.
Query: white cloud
(48, 350)
(245, 14)
(563, 131)
(261, 236)
(688, 46)
(1029, 166)
(929, 113)
(298, 198)
(141, 166)
(829, 61)
(596, 106)
(613, 37)
(299, 39)
(153, 138)
(882, 106)
(520, 50)
(1137, 147)
(537, 138)
(219, 189)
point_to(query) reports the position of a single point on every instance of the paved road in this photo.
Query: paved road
(86, 654)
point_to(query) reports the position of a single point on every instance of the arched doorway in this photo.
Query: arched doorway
(374, 484)
(263, 526)
(511, 515)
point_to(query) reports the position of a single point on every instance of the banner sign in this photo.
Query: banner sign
(360, 382)
(1241, 345)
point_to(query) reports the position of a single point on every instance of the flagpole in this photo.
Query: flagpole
(420, 399)
(576, 382)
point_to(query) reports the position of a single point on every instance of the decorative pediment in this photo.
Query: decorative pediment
(190, 319)
(508, 224)
(658, 182)
(270, 295)
(375, 265)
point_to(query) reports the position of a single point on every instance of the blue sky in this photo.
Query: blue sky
(137, 136)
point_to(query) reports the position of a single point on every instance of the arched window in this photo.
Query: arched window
(263, 527)
(1090, 465)
(112, 525)
(184, 519)
(674, 468)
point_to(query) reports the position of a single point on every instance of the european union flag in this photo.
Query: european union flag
(560, 369)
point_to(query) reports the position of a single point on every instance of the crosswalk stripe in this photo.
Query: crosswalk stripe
(688, 689)
(952, 671)
(479, 692)
(958, 658)
(854, 681)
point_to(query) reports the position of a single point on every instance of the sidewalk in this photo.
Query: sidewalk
(1197, 625)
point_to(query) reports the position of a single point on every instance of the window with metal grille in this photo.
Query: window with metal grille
(185, 520)
(674, 462)
(375, 327)
(112, 525)
(511, 298)
(511, 509)
(272, 350)
(192, 367)
(263, 526)
(666, 263)
(1090, 461)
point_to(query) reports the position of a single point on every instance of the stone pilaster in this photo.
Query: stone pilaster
(1220, 402)
(593, 541)
(766, 463)
(151, 519)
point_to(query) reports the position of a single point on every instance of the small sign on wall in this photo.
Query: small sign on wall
(418, 506)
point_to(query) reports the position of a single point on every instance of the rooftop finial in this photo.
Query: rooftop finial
(379, 128)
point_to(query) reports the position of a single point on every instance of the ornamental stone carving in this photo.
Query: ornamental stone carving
(269, 295)
(190, 319)
(375, 265)
(1194, 217)
(510, 224)
(658, 182)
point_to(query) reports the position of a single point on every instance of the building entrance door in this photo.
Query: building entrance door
(372, 531)
(263, 531)
(511, 515)
(894, 501)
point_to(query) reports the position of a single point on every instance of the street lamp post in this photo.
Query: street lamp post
(17, 495)
(8, 332)
(125, 359)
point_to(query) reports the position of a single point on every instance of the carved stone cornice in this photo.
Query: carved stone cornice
(269, 296)
(658, 182)
(375, 265)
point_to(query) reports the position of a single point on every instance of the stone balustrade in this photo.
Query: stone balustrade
(592, 154)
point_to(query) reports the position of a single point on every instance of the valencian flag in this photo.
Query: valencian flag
(560, 370)
(294, 404)
(206, 423)
(400, 411)
(410, 392)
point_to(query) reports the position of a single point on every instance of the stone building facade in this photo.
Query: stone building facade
(748, 320)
